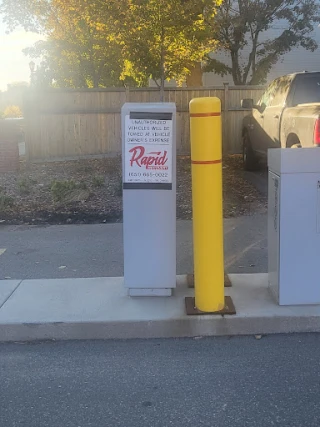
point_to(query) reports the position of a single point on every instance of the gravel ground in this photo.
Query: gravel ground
(89, 191)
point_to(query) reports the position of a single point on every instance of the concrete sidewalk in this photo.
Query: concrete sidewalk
(65, 309)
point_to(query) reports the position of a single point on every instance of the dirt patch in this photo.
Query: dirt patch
(240, 197)
(89, 191)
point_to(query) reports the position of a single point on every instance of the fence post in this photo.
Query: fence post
(127, 93)
(225, 143)
(31, 124)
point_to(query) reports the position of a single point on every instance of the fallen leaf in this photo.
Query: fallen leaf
(107, 201)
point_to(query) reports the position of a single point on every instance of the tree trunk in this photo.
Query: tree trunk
(194, 79)
(236, 73)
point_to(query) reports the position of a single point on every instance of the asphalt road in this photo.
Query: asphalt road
(31, 252)
(218, 382)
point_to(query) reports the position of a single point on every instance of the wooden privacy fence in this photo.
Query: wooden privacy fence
(73, 124)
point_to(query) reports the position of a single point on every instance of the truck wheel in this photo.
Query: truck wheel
(293, 142)
(250, 162)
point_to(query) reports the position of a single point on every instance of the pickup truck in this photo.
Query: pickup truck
(287, 115)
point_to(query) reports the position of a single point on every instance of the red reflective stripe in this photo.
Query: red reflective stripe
(205, 114)
(206, 162)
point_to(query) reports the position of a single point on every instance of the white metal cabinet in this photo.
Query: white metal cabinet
(294, 225)
(149, 198)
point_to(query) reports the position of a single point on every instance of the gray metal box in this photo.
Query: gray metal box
(149, 198)
(294, 225)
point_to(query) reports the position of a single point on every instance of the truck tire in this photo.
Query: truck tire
(293, 142)
(250, 162)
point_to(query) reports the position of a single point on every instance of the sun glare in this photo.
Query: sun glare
(13, 62)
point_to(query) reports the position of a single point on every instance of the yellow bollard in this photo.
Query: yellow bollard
(206, 160)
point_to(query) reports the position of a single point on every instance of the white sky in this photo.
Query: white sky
(14, 65)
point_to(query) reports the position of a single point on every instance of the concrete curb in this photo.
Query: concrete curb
(99, 309)
(184, 328)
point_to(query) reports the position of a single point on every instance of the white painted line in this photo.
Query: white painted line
(2, 251)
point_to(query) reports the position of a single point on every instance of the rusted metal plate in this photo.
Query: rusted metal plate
(190, 281)
(191, 310)
(227, 281)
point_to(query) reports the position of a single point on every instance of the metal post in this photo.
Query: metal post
(225, 142)
(206, 159)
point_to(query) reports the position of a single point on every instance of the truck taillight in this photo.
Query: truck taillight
(316, 135)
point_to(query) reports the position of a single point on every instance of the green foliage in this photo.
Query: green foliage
(12, 112)
(6, 201)
(60, 189)
(163, 39)
(108, 43)
(82, 185)
(98, 181)
(80, 49)
(242, 26)
(25, 185)
(77, 51)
